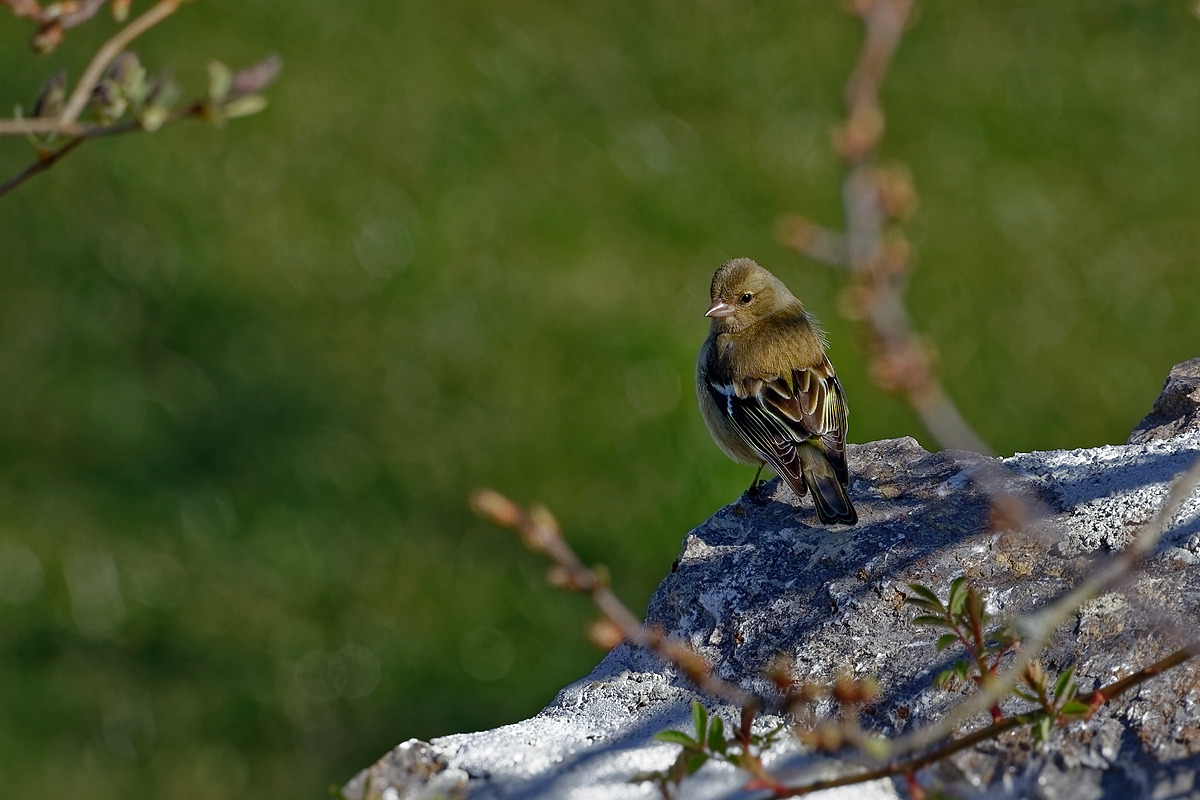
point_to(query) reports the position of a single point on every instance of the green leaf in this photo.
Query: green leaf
(699, 720)
(676, 737)
(943, 678)
(929, 619)
(925, 592)
(696, 762)
(244, 106)
(1074, 708)
(928, 605)
(945, 640)
(1064, 685)
(1025, 695)
(1041, 730)
(958, 595)
(220, 78)
(153, 117)
(716, 735)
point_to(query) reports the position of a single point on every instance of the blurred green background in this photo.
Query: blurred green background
(248, 377)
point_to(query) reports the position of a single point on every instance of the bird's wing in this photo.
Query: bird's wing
(778, 415)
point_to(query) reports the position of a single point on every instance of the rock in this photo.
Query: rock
(1177, 409)
(761, 578)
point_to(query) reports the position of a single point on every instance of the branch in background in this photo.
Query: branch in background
(54, 20)
(110, 50)
(123, 88)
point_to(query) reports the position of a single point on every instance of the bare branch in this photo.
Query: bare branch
(807, 237)
(31, 125)
(41, 165)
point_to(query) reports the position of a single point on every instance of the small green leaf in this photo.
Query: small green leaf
(943, 678)
(696, 762)
(676, 737)
(928, 605)
(945, 640)
(699, 720)
(1025, 695)
(1064, 685)
(716, 735)
(925, 592)
(958, 595)
(220, 78)
(153, 117)
(736, 759)
(929, 619)
(1041, 730)
(1074, 708)
(244, 106)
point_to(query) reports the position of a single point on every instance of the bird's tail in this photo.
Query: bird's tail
(833, 504)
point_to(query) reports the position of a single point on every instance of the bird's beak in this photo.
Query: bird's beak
(719, 310)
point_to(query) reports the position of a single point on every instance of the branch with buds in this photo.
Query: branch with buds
(115, 94)
(962, 614)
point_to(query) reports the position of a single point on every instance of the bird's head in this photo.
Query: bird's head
(744, 293)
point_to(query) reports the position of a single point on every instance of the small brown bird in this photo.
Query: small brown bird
(768, 392)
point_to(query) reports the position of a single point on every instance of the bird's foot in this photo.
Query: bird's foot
(757, 491)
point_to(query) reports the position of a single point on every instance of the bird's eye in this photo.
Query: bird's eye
(746, 298)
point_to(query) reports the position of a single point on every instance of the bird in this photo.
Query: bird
(767, 391)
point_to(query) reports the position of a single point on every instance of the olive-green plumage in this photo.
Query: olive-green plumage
(768, 392)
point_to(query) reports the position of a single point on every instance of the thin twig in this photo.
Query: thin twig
(1036, 630)
(30, 125)
(43, 163)
(46, 160)
(540, 533)
(110, 50)
(29, 9)
(85, 10)
(900, 360)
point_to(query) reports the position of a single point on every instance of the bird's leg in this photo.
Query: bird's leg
(754, 485)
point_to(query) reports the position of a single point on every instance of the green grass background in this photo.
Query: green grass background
(248, 377)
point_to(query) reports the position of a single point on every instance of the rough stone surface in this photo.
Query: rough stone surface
(1177, 409)
(761, 578)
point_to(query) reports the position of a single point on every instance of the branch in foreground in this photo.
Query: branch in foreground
(1093, 700)
(878, 259)
(540, 532)
(1037, 629)
(904, 756)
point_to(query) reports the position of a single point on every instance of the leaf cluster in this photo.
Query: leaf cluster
(742, 748)
(965, 617)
